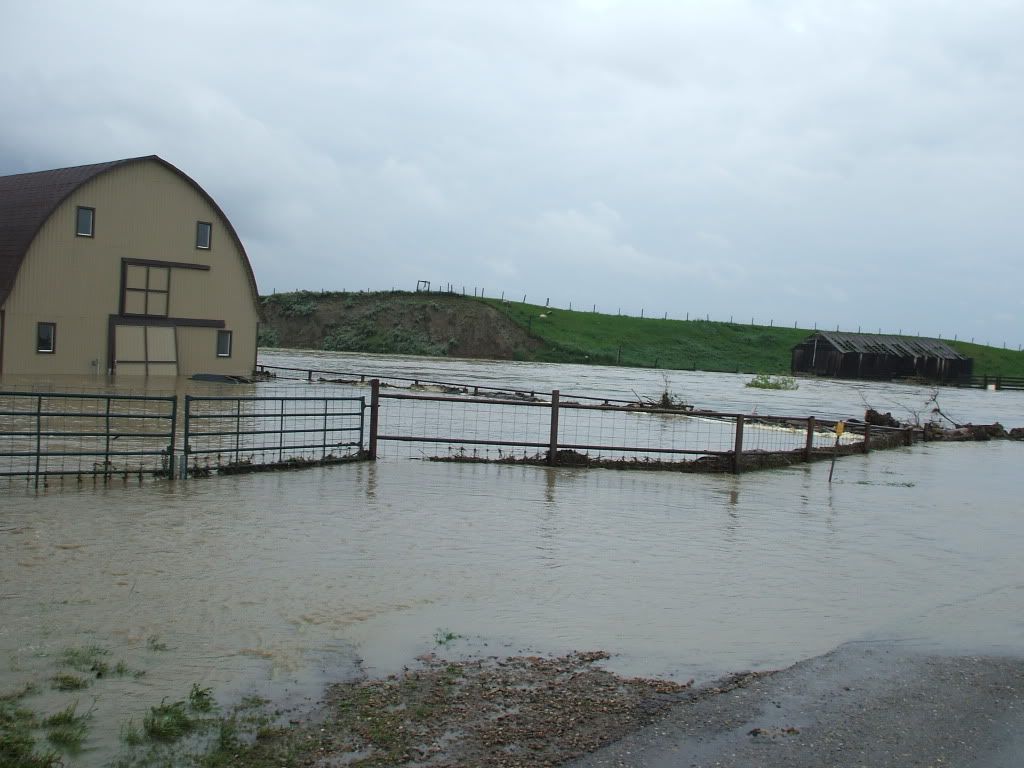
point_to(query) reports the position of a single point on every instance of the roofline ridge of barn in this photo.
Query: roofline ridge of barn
(105, 167)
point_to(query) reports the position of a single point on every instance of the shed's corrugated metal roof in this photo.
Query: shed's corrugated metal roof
(886, 344)
(28, 199)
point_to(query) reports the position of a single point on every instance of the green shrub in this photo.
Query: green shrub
(764, 381)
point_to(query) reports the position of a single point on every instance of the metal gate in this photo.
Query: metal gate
(108, 435)
(245, 434)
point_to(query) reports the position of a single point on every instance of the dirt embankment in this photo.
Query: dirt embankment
(401, 323)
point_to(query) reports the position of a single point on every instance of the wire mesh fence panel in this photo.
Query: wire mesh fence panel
(46, 434)
(451, 428)
(236, 434)
(617, 434)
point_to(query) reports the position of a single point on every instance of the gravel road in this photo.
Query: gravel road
(875, 705)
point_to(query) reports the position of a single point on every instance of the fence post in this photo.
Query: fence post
(553, 444)
(374, 418)
(170, 447)
(909, 435)
(867, 437)
(39, 434)
(737, 455)
(183, 473)
(809, 445)
(106, 452)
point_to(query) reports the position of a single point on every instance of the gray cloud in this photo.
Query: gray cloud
(853, 164)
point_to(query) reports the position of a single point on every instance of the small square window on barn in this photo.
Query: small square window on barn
(223, 343)
(204, 235)
(46, 337)
(85, 221)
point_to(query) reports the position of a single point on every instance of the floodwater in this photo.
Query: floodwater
(274, 584)
(725, 392)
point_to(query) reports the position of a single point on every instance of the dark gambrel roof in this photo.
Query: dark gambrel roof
(28, 199)
(885, 344)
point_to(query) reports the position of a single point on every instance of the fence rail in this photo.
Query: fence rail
(108, 435)
(1015, 383)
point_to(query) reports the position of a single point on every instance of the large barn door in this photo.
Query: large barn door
(145, 350)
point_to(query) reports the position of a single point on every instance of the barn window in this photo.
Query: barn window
(46, 337)
(147, 290)
(85, 221)
(204, 234)
(223, 343)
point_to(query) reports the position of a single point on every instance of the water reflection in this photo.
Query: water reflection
(272, 583)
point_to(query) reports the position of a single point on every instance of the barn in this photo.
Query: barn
(878, 356)
(125, 268)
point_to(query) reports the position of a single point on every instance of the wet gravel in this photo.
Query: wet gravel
(865, 704)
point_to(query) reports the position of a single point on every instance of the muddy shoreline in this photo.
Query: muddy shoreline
(864, 704)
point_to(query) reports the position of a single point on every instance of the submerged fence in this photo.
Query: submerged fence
(98, 436)
(241, 434)
(109, 436)
(572, 433)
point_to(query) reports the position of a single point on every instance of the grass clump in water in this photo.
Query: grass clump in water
(201, 699)
(169, 722)
(65, 681)
(17, 742)
(67, 729)
(764, 381)
(88, 658)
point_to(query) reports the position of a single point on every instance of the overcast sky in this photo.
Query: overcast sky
(851, 163)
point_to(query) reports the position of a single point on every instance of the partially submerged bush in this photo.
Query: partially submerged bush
(764, 381)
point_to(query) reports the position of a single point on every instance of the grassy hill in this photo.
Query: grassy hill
(461, 326)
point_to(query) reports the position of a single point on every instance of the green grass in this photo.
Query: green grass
(169, 722)
(67, 730)
(764, 381)
(64, 681)
(87, 658)
(18, 748)
(588, 337)
(568, 336)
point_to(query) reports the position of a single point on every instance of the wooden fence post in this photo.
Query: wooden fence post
(809, 445)
(737, 455)
(553, 444)
(867, 437)
(374, 418)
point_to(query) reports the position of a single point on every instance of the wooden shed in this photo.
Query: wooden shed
(127, 268)
(878, 356)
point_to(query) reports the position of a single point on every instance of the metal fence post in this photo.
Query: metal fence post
(809, 445)
(170, 446)
(183, 474)
(553, 443)
(39, 434)
(106, 453)
(737, 456)
(374, 418)
(323, 454)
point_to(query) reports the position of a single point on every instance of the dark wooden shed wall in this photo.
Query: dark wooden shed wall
(822, 355)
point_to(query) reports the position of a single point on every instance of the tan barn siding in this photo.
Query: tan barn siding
(143, 211)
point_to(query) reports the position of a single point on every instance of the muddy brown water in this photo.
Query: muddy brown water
(274, 584)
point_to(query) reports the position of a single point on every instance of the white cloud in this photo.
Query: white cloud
(779, 157)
